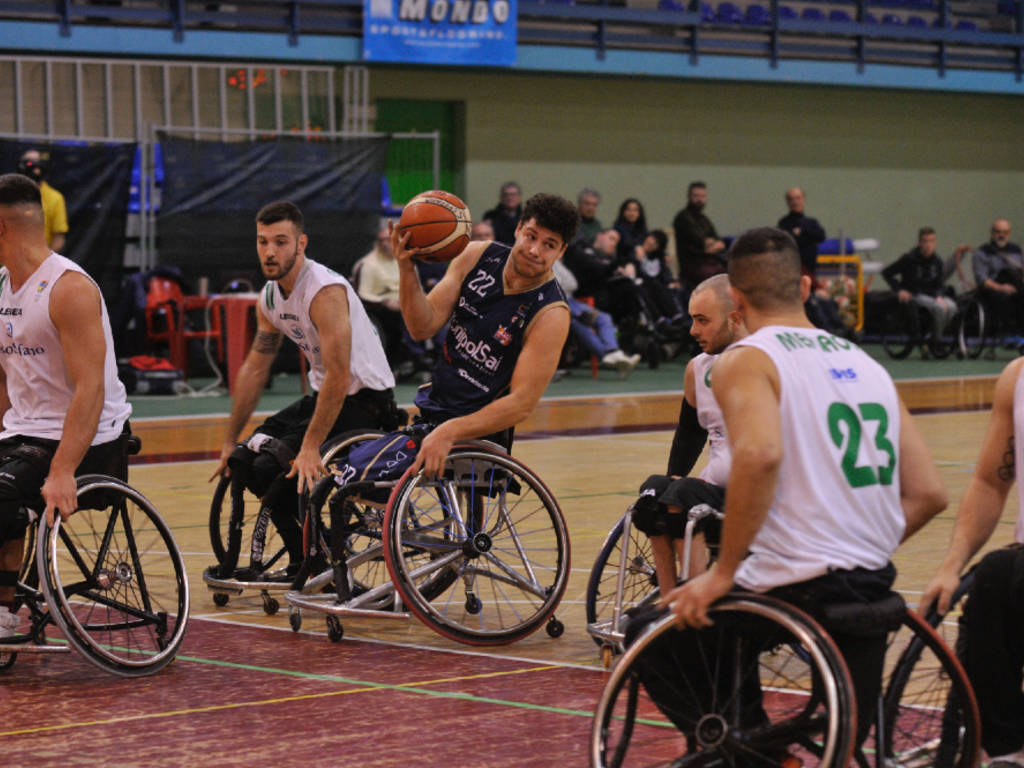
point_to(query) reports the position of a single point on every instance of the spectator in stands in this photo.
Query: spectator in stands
(482, 230)
(919, 277)
(631, 224)
(505, 215)
(594, 328)
(593, 264)
(659, 283)
(999, 274)
(586, 203)
(807, 232)
(55, 215)
(376, 279)
(701, 253)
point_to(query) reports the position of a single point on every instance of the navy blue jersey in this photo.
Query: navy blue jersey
(484, 338)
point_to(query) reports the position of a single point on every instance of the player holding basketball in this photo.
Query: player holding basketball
(664, 498)
(828, 472)
(348, 373)
(509, 322)
(64, 409)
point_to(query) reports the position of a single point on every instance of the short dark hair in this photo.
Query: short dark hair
(764, 265)
(16, 189)
(924, 231)
(696, 185)
(281, 210)
(554, 213)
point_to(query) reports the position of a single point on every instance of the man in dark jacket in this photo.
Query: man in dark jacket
(919, 277)
(807, 232)
(699, 249)
(505, 215)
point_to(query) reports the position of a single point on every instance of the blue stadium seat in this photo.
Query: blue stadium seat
(812, 14)
(787, 12)
(729, 13)
(966, 26)
(670, 5)
(707, 13)
(839, 17)
(917, 21)
(758, 14)
(870, 18)
(830, 247)
(892, 20)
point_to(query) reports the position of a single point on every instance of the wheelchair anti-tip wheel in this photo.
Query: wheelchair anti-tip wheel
(481, 554)
(115, 580)
(710, 713)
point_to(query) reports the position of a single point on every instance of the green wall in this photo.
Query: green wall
(874, 163)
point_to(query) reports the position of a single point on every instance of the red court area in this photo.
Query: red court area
(252, 695)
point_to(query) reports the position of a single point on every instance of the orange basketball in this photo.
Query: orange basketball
(439, 224)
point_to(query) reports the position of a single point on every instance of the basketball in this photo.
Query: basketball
(439, 224)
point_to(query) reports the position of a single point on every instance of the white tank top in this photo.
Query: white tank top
(368, 365)
(837, 502)
(709, 416)
(1018, 453)
(38, 384)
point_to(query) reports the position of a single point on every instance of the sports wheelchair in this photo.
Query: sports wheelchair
(909, 325)
(480, 554)
(926, 713)
(111, 579)
(230, 507)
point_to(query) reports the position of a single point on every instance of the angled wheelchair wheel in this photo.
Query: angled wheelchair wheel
(974, 334)
(636, 569)
(115, 580)
(901, 330)
(481, 554)
(929, 714)
(763, 684)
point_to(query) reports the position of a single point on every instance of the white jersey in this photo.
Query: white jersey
(709, 416)
(368, 365)
(38, 384)
(1018, 453)
(837, 501)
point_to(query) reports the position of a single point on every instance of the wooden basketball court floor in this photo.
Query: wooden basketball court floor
(245, 688)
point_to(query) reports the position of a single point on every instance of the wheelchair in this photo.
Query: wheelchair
(926, 713)
(907, 326)
(230, 507)
(111, 579)
(480, 554)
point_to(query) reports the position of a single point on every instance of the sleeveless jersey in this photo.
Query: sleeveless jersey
(837, 502)
(485, 336)
(38, 384)
(709, 416)
(1018, 453)
(368, 365)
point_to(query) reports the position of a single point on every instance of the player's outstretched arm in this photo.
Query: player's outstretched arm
(534, 369)
(329, 313)
(76, 313)
(983, 501)
(249, 384)
(424, 314)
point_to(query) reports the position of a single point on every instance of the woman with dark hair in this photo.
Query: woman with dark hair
(659, 284)
(631, 224)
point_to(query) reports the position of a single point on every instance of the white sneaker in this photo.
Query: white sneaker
(8, 622)
(629, 362)
(613, 359)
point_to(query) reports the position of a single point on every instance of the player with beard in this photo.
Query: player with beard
(349, 374)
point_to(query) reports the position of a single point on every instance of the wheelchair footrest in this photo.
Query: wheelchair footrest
(605, 632)
(327, 603)
(235, 587)
(24, 644)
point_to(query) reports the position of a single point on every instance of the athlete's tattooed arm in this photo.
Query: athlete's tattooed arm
(266, 343)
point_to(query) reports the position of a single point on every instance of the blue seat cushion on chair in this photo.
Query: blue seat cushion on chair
(966, 26)
(830, 247)
(892, 20)
(786, 12)
(729, 13)
(758, 14)
(840, 17)
(870, 18)
(812, 14)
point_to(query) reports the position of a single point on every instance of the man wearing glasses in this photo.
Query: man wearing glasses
(999, 275)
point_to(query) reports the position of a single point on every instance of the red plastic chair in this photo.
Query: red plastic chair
(169, 320)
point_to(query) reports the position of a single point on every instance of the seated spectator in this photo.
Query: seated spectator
(482, 230)
(919, 277)
(505, 215)
(999, 274)
(590, 225)
(376, 279)
(631, 224)
(661, 285)
(594, 328)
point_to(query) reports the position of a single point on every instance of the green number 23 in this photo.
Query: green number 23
(860, 476)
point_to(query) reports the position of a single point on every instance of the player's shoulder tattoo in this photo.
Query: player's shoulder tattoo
(266, 342)
(1008, 469)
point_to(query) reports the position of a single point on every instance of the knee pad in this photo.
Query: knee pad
(14, 517)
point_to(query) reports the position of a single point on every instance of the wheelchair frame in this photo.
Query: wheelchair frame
(102, 578)
(437, 534)
(924, 687)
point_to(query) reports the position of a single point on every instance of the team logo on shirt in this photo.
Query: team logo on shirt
(843, 374)
(503, 335)
(519, 318)
(9, 327)
(707, 377)
(297, 332)
(41, 287)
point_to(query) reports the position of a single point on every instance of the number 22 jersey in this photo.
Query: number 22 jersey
(837, 500)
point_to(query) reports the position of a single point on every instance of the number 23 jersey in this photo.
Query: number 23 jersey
(837, 500)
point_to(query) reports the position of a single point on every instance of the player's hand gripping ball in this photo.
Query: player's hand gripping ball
(439, 225)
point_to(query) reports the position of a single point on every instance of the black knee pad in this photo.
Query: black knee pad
(20, 481)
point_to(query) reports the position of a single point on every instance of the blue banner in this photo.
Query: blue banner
(470, 32)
